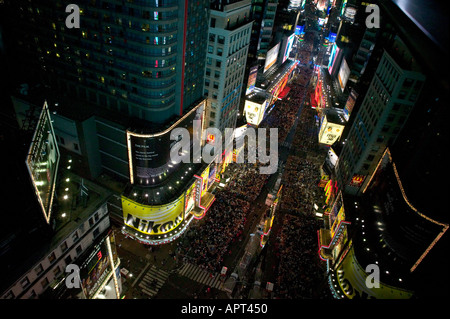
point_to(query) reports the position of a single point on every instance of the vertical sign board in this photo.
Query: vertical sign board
(42, 162)
(251, 79)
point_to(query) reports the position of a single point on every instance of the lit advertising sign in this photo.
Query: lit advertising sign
(271, 57)
(336, 210)
(149, 154)
(251, 79)
(321, 21)
(332, 37)
(350, 104)
(288, 49)
(350, 13)
(344, 2)
(42, 162)
(330, 132)
(344, 73)
(299, 29)
(153, 220)
(254, 112)
(205, 176)
(190, 199)
(212, 174)
(94, 269)
(334, 53)
(357, 180)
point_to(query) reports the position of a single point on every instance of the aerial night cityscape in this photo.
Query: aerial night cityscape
(229, 154)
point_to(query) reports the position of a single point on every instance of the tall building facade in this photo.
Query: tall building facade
(117, 87)
(393, 92)
(228, 45)
(263, 14)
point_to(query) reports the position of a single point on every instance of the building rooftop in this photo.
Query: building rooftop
(27, 238)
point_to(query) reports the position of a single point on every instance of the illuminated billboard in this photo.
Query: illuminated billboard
(332, 37)
(94, 269)
(153, 220)
(350, 104)
(344, 73)
(149, 154)
(357, 180)
(42, 162)
(287, 51)
(334, 53)
(300, 29)
(330, 132)
(271, 57)
(190, 199)
(254, 112)
(251, 79)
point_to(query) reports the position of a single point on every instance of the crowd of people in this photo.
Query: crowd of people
(299, 269)
(247, 182)
(300, 274)
(300, 178)
(210, 242)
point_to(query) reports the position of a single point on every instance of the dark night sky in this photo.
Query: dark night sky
(430, 16)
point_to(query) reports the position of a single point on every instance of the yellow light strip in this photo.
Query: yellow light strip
(445, 226)
(171, 127)
(376, 169)
(113, 267)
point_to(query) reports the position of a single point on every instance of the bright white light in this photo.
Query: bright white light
(63, 215)
(65, 197)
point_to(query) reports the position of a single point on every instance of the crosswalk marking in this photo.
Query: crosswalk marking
(202, 276)
(147, 282)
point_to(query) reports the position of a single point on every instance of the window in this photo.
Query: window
(221, 39)
(79, 250)
(96, 232)
(68, 259)
(75, 237)
(10, 295)
(44, 283)
(63, 246)
(212, 37)
(39, 269)
(219, 51)
(75, 146)
(218, 64)
(57, 271)
(213, 23)
(25, 282)
(210, 49)
(91, 221)
(52, 258)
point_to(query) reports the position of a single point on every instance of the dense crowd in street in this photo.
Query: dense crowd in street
(300, 272)
(300, 178)
(209, 243)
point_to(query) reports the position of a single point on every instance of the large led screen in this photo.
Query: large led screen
(271, 57)
(42, 162)
(149, 154)
(344, 73)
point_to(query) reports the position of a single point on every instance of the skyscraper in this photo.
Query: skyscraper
(116, 87)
